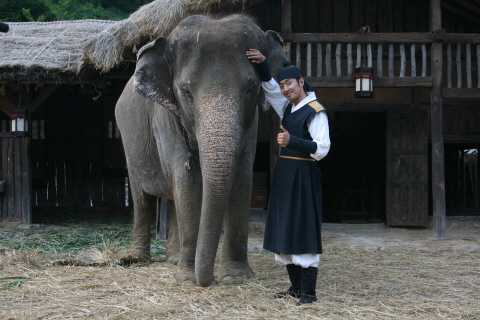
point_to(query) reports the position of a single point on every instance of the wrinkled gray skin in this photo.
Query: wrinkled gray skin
(197, 83)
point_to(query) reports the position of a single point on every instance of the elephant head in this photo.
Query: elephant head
(201, 74)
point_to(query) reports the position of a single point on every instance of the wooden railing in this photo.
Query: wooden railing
(398, 59)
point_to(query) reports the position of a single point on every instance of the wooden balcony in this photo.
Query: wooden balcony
(399, 60)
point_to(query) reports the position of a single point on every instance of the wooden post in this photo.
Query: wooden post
(438, 172)
(163, 213)
(275, 120)
(17, 172)
(287, 20)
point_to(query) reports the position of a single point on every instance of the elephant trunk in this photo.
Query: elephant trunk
(219, 136)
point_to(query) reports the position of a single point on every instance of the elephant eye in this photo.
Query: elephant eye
(251, 89)
(187, 95)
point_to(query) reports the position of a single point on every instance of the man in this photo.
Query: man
(294, 216)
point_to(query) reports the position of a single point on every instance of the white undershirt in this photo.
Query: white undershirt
(318, 126)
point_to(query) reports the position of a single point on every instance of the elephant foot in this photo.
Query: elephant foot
(186, 278)
(141, 255)
(235, 270)
(173, 258)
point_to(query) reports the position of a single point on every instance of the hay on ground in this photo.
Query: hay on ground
(353, 283)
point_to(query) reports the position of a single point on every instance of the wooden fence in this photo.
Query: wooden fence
(79, 184)
(399, 60)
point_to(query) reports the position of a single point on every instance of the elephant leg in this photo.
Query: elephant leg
(144, 210)
(173, 242)
(234, 260)
(188, 209)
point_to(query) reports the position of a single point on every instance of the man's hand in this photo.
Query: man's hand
(283, 137)
(255, 56)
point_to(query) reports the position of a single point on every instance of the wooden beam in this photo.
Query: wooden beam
(395, 37)
(436, 117)
(44, 95)
(438, 35)
(461, 93)
(462, 138)
(383, 82)
(462, 38)
(365, 106)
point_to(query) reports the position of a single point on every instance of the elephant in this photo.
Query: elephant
(188, 122)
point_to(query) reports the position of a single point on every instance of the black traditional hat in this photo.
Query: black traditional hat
(290, 72)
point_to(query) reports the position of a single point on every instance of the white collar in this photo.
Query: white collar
(309, 98)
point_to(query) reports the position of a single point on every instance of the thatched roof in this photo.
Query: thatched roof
(64, 50)
(36, 50)
(155, 19)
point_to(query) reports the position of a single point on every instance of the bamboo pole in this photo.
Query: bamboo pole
(349, 60)
(309, 59)
(469, 65)
(424, 60)
(338, 59)
(413, 62)
(298, 62)
(390, 61)
(449, 65)
(319, 60)
(379, 60)
(403, 60)
(459, 65)
(359, 56)
(328, 60)
(369, 56)
(478, 65)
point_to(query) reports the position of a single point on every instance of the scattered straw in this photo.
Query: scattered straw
(353, 283)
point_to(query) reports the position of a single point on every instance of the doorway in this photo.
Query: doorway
(462, 179)
(354, 172)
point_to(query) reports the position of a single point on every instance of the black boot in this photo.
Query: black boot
(295, 275)
(309, 282)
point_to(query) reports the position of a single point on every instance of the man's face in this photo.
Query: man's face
(292, 89)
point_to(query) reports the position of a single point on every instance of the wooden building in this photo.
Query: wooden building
(409, 152)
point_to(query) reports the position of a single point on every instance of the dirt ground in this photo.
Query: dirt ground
(366, 272)
(462, 234)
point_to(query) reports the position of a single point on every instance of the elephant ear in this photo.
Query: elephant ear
(153, 78)
(276, 57)
(276, 54)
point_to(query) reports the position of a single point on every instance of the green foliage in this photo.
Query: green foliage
(14, 284)
(51, 10)
(68, 238)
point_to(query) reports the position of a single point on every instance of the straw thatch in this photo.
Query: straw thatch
(150, 21)
(36, 50)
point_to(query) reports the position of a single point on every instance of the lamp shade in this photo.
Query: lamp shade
(363, 82)
(19, 122)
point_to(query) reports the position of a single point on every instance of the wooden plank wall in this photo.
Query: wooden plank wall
(16, 173)
(327, 16)
(77, 155)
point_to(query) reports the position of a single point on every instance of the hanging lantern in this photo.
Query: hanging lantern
(363, 75)
(363, 82)
(19, 122)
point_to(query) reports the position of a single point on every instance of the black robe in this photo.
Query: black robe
(294, 215)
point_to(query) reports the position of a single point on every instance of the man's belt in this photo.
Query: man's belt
(296, 158)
